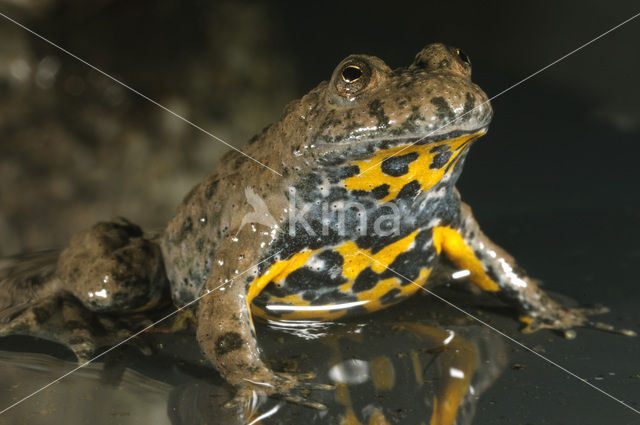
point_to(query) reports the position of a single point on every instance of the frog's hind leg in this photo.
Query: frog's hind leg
(63, 319)
(32, 304)
(492, 269)
(89, 294)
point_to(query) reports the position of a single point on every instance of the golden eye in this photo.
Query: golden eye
(351, 77)
(463, 56)
(351, 74)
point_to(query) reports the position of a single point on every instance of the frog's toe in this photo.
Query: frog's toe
(595, 310)
(301, 381)
(303, 401)
(284, 386)
(296, 389)
(564, 320)
(609, 328)
(600, 309)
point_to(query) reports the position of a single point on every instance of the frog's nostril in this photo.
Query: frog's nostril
(351, 73)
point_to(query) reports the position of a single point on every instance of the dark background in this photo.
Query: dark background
(554, 181)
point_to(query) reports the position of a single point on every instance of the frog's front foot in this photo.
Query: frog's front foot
(285, 386)
(564, 320)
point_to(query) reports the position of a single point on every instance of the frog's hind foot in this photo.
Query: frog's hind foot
(56, 318)
(63, 319)
(283, 386)
(563, 320)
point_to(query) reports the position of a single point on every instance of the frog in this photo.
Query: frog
(345, 206)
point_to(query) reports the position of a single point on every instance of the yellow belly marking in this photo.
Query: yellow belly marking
(355, 261)
(372, 175)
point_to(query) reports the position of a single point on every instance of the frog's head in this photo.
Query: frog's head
(385, 120)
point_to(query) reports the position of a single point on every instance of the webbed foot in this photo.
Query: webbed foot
(284, 386)
(564, 320)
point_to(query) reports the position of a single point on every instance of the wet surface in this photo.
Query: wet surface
(554, 182)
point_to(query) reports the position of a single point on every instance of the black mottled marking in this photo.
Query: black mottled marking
(381, 191)
(335, 296)
(365, 280)
(210, 190)
(439, 148)
(410, 125)
(309, 281)
(375, 242)
(397, 166)
(226, 343)
(359, 193)
(469, 104)
(200, 245)
(186, 229)
(305, 281)
(307, 187)
(346, 172)
(390, 296)
(459, 158)
(440, 160)
(409, 190)
(443, 110)
(41, 314)
(376, 110)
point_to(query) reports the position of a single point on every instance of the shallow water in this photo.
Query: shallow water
(395, 363)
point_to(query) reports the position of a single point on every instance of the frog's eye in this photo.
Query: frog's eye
(351, 77)
(463, 56)
(351, 73)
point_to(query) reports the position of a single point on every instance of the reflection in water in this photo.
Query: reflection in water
(351, 371)
(384, 372)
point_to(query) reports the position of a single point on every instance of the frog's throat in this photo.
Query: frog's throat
(394, 168)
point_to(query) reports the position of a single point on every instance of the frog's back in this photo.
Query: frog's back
(212, 212)
(191, 239)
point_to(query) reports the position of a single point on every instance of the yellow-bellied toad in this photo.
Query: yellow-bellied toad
(360, 211)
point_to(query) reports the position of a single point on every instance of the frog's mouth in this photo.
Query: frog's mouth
(418, 162)
(360, 146)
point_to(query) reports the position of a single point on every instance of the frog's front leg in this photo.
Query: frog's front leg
(493, 269)
(228, 338)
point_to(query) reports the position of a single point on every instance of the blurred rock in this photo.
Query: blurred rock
(77, 147)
